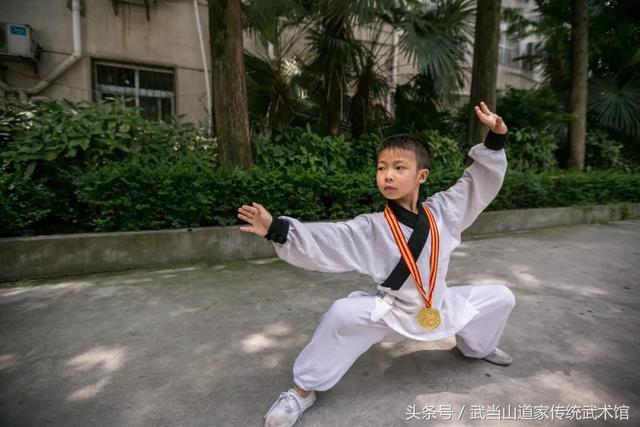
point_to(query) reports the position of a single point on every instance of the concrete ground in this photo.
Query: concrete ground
(214, 346)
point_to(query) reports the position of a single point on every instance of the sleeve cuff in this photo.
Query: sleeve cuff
(278, 230)
(496, 141)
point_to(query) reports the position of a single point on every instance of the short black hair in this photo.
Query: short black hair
(410, 142)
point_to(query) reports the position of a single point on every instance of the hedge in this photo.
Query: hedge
(136, 195)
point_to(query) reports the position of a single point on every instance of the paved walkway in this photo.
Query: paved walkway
(214, 346)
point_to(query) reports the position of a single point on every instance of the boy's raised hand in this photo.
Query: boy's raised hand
(256, 215)
(490, 119)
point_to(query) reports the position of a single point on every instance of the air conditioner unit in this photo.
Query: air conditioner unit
(17, 40)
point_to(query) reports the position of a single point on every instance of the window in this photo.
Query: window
(527, 63)
(150, 90)
(508, 49)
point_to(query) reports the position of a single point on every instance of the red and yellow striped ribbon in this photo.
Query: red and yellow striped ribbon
(407, 256)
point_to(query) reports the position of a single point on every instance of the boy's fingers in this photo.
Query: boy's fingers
(247, 210)
(482, 116)
(479, 113)
(246, 218)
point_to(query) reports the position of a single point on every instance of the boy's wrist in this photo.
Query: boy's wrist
(495, 141)
(278, 230)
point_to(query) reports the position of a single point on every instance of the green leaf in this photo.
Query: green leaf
(50, 156)
(30, 168)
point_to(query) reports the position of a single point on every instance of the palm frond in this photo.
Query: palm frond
(436, 40)
(615, 107)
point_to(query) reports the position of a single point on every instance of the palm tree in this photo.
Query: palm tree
(614, 85)
(273, 77)
(551, 23)
(614, 58)
(335, 62)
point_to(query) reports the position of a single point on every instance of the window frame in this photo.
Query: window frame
(507, 44)
(100, 90)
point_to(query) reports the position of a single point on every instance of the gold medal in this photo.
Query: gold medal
(429, 318)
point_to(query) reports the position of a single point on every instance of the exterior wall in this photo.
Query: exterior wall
(168, 39)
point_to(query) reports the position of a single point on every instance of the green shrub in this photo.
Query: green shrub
(54, 142)
(302, 147)
(363, 151)
(53, 135)
(527, 189)
(24, 203)
(531, 149)
(601, 152)
(444, 152)
(124, 173)
(536, 108)
(137, 195)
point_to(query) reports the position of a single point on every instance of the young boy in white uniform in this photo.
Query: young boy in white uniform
(406, 251)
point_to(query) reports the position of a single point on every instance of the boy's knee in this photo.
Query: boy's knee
(341, 312)
(508, 296)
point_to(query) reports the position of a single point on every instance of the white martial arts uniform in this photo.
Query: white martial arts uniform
(475, 314)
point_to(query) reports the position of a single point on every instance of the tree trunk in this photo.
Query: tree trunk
(227, 66)
(485, 65)
(334, 102)
(579, 77)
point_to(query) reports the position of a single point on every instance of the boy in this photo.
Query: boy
(406, 250)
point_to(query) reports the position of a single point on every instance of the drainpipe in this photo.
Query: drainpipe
(60, 69)
(204, 64)
(394, 71)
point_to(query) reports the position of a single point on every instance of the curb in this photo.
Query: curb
(35, 257)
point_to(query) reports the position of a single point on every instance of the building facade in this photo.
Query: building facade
(147, 53)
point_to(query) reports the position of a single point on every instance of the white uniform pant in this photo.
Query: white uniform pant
(345, 332)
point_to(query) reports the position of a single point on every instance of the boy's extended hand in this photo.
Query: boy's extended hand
(490, 119)
(256, 215)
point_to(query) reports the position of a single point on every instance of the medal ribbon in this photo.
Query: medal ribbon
(407, 256)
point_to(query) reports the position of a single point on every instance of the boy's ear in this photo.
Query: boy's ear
(426, 175)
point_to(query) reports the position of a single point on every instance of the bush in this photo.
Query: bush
(444, 152)
(537, 108)
(601, 152)
(24, 203)
(363, 151)
(531, 149)
(52, 143)
(53, 135)
(302, 147)
(132, 195)
(124, 173)
(137, 195)
(527, 189)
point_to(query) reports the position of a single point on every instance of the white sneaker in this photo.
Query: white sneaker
(498, 357)
(288, 409)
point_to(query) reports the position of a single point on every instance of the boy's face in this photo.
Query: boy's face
(397, 174)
